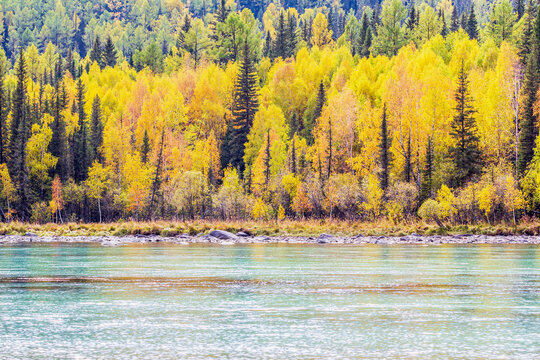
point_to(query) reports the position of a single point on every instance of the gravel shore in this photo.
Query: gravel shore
(224, 238)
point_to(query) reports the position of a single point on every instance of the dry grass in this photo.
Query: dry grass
(284, 228)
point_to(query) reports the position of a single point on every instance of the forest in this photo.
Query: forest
(269, 110)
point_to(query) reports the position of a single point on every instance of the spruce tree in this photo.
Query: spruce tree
(109, 53)
(58, 143)
(465, 153)
(222, 11)
(280, 45)
(267, 49)
(525, 42)
(411, 21)
(384, 146)
(145, 147)
(244, 107)
(329, 151)
(80, 153)
(96, 130)
(292, 40)
(20, 132)
(96, 53)
(454, 22)
(444, 31)
(529, 121)
(293, 155)
(472, 24)
(3, 117)
(427, 174)
(520, 8)
(267, 158)
(367, 43)
(309, 121)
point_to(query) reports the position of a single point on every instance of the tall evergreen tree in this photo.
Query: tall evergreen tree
(3, 118)
(519, 8)
(244, 107)
(280, 45)
(472, 24)
(411, 21)
(292, 37)
(96, 130)
(309, 121)
(20, 131)
(267, 158)
(293, 167)
(96, 53)
(426, 188)
(454, 22)
(80, 153)
(465, 153)
(58, 143)
(525, 42)
(145, 147)
(109, 53)
(329, 151)
(384, 147)
(529, 120)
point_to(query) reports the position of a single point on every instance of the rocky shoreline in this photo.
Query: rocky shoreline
(219, 237)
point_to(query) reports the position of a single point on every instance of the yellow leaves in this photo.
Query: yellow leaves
(138, 179)
(39, 160)
(261, 211)
(301, 204)
(446, 200)
(7, 189)
(486, 199)
(98, 180)
(57, 202)
(290, 183)
(321, 36)
(374, 196)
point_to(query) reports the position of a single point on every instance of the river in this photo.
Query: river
(84, 301)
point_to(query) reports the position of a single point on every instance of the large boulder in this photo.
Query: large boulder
(223, 235)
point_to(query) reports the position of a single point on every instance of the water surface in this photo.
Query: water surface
(269, 301)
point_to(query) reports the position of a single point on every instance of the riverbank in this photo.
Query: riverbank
(286, 228)
(226, 238)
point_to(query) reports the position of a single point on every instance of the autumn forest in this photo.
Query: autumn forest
(269, 110)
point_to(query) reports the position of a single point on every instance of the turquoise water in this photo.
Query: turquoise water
(269, 301)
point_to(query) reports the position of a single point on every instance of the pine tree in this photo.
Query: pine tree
(384, 146)
(465, 153)
(529, 121)
(365, 52)
(96, 131)
(293, 155)
(454, 22)
(408, 160)
(58, 143)
(444, 31)
(520, 8)
(525, 42)
(244, 107)
(309, 121)
(145, 147)
(427, 174)
(292, 39)
(80, 153)
(267, 158)
(472, 24)
(321, 101)
(3, 118)
(109, 53)
(411, 21)
(222, 11)
(20, 132)
(267, 50)
(329, 151)
(280, 45)
(96, 53)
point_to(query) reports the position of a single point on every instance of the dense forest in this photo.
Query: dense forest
(355, 109)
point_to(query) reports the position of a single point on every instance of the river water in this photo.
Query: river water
(269, 301)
